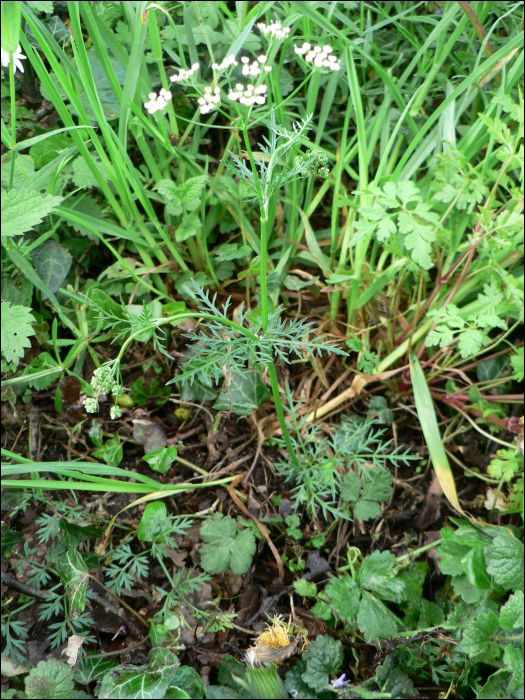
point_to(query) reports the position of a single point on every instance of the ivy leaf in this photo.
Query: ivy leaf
(50, 679)
(16, 328)
(52, 262)
(226, 546)
(323, 656)
(161, 459)
(22, 210)
(112, 452)
(149, 681)
(344, 593)
(246, 394)
(505, 560)
(73, 573)
(90, 670)
(375, 619)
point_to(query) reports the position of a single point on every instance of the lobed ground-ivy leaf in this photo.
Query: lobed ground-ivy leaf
(324, 656)
(50, 679)
(226, 546)
(247, 393)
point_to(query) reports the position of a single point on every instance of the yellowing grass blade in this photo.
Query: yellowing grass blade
(429, 425)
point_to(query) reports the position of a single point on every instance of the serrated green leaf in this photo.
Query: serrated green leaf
(378, 574)
(393, 680)
(50, 679)
(350, 487)
(344, 594)
(226, 546)
(511, 614)
(476, 635)
(374, 619)
(303, 587)
(504, 559)
(8, 538)
(22, 211)
(377, 485)
(190, 226)
(324, 656)
(73, 572)
(476, 568)
(366, 510)
(16, 326)
(513, 657)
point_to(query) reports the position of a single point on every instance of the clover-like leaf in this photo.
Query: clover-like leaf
(226, 546)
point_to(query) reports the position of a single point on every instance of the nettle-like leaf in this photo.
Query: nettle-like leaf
(344, 595)
(324, 656)
(190, 226)
(112, 452)
(505, 560)
(477, 635)
(73, 573)
(22, 211)
(513, 657)
(375, 619)
(16, 327)
(226, 546)
(50, 679)
(511, 614)
(186, 196)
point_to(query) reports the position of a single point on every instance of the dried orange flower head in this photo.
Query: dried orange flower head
(276, 642)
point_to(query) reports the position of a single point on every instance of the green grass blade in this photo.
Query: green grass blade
(429, 425)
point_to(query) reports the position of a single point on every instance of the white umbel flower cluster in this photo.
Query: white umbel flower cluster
(254, 69)
(184, 74)
(210, 99)
(159, 102)
(249, 94)
(225, 63)
(320, 57)
(274, 30)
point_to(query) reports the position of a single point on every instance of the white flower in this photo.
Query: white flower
(91, 405)
(320, 57)
(209, 100)
(226, 63)
(274, 30)
(254, 69)
(155, 103)
(184, 74)
(249, 95)
(262, 58)
(17, 59)
(115, 412)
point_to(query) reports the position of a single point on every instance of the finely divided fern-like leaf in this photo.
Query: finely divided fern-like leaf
(21, 211)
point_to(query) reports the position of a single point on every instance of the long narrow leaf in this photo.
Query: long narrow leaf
(429, 426)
